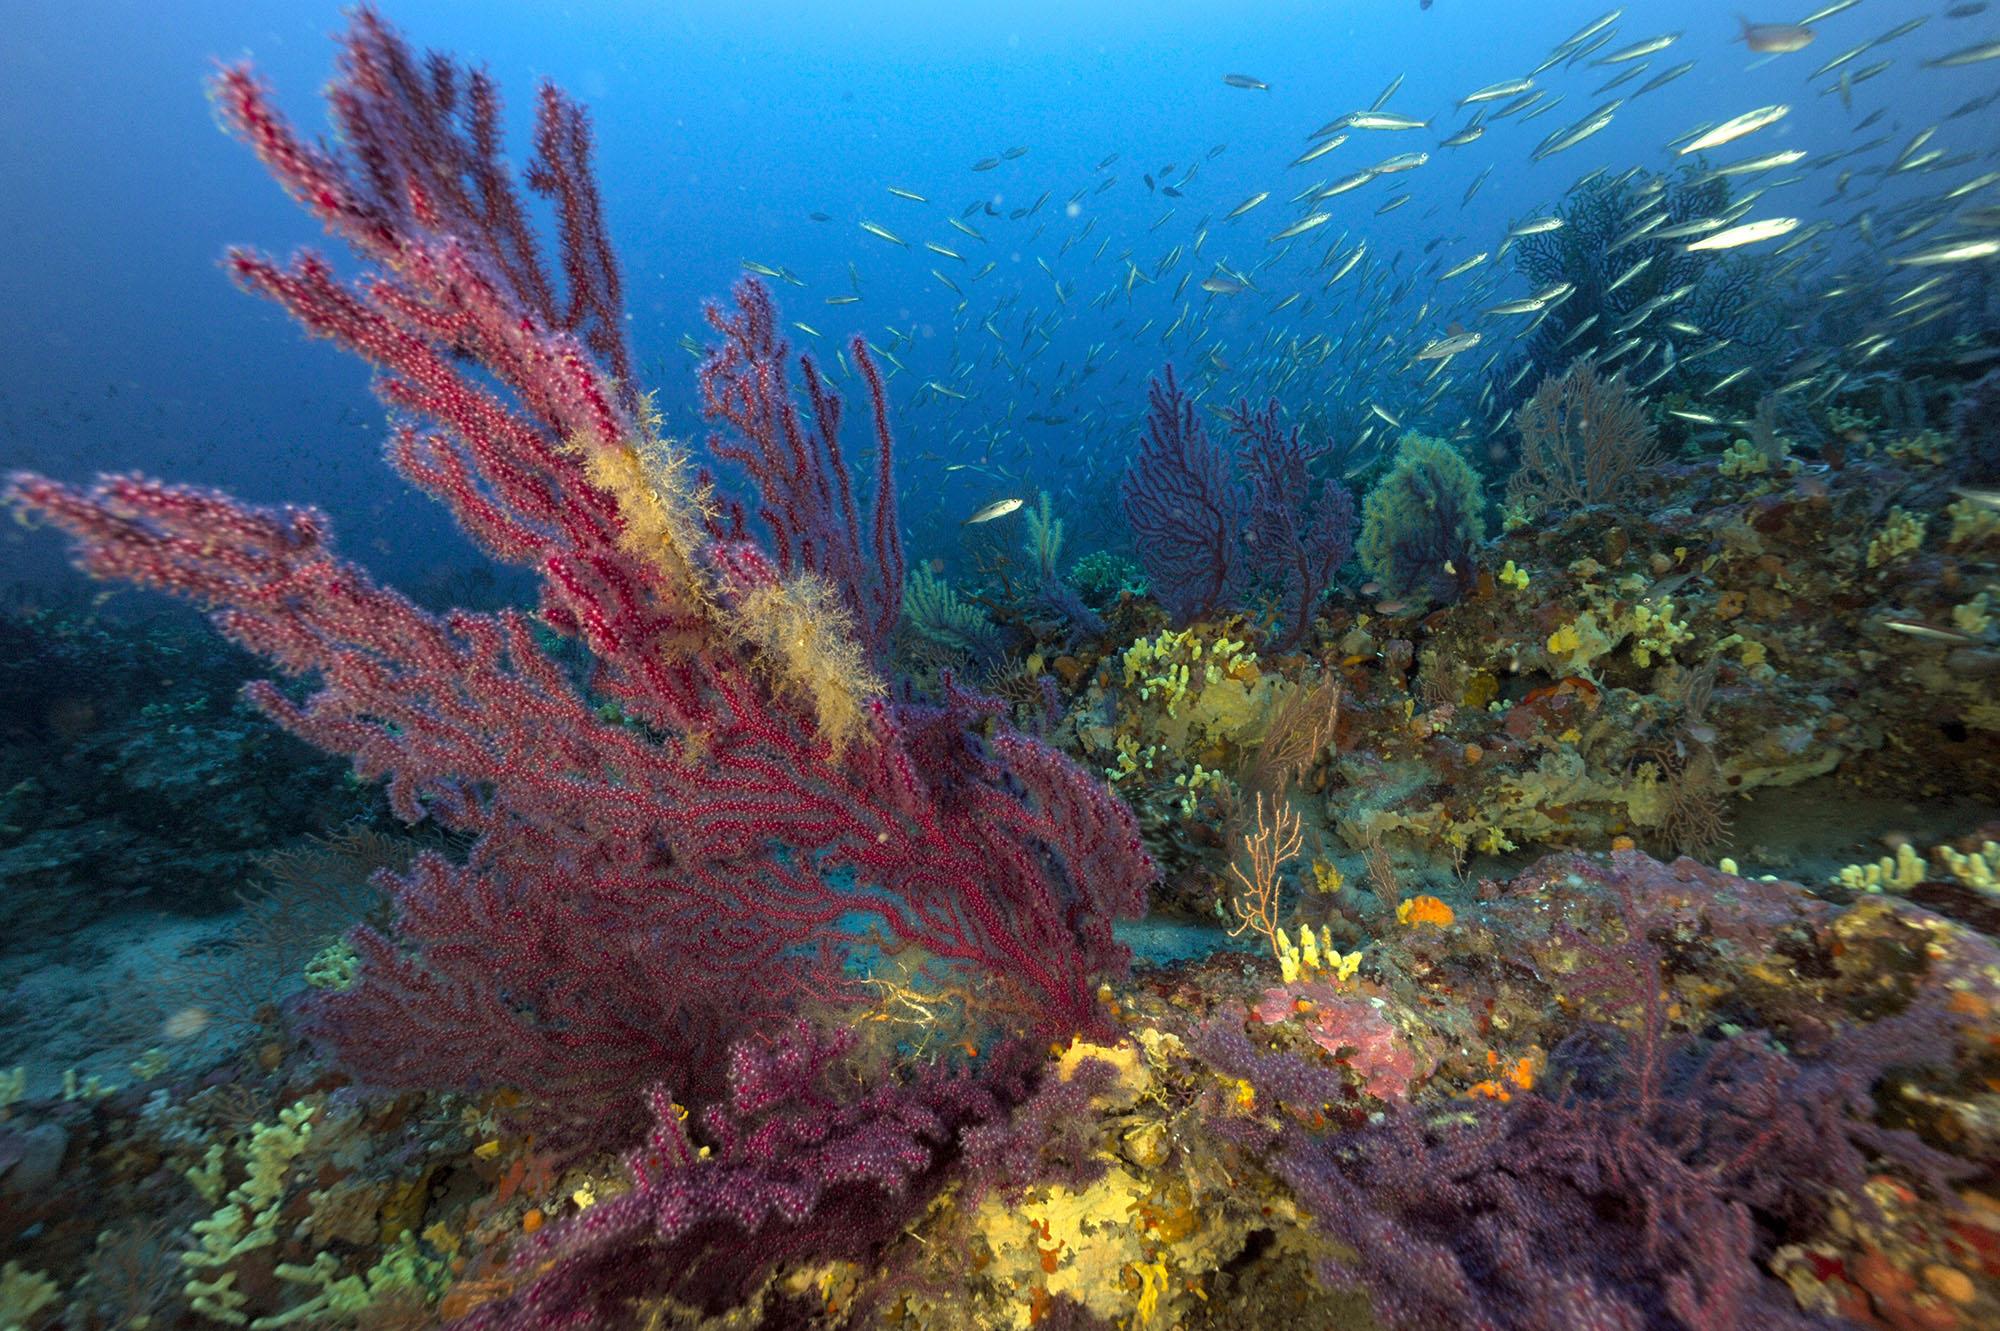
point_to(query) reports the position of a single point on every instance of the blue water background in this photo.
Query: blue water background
(722, 126)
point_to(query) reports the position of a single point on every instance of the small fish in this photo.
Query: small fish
(911, 195)
(1749, 233)
(1467, 135)
(936, 248)
(986, 164)
(1320, 151)
(1664, 77)
(1449, 346)
(999, 508)
(1774, 38)
(1493, 92)
(1589, 30)
(886, 234)
(1639, 50)
(1929, 632)
(1700, 226)
(1300, 227)
(1245, 81)
(1384, 120)
(1346, 183)
(1736, 127)
(1698, 417)
(842, 300)
(1247, 205)
(1971, 55)
(1983, 498)
(1535, 226)
(1013, 153)
(1957, 251)
(1784, 157)
(1576, 332)
(1465, 267)
(1527, 305)
(1629, 274)
(1401, 162)
(1221, 286)
(819, 217)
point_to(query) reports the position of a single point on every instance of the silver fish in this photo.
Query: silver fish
(999, 508)
(1736, 127)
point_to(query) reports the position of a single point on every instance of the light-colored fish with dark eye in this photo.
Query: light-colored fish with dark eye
(1749, 233)
(1638, 50)
(1493, 92)
(1346, 183)
(999, 508)
(1449, 346)
(1774, 38)
(1384, 120)
(1736, 127)
(1931, 632)
(1535, 226)
(1400, 162)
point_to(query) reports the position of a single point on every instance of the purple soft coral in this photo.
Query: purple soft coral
(793, 1168)
(1641, 1196)
(1184, 499)
(1185, 506)
(691, 849)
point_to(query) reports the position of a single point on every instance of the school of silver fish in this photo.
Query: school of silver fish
(1378, 336)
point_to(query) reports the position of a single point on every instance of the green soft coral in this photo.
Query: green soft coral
(404, 1269)
(23, 1293)
(1422, 521)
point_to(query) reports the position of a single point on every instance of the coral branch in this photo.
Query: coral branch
(690, 849)
(1183, 503)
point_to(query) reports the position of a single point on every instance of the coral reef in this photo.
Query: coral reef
(756, 969)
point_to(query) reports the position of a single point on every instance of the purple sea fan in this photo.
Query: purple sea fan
(1183, 502)
(1296, 542)
(689, 850)
(794, 1168)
